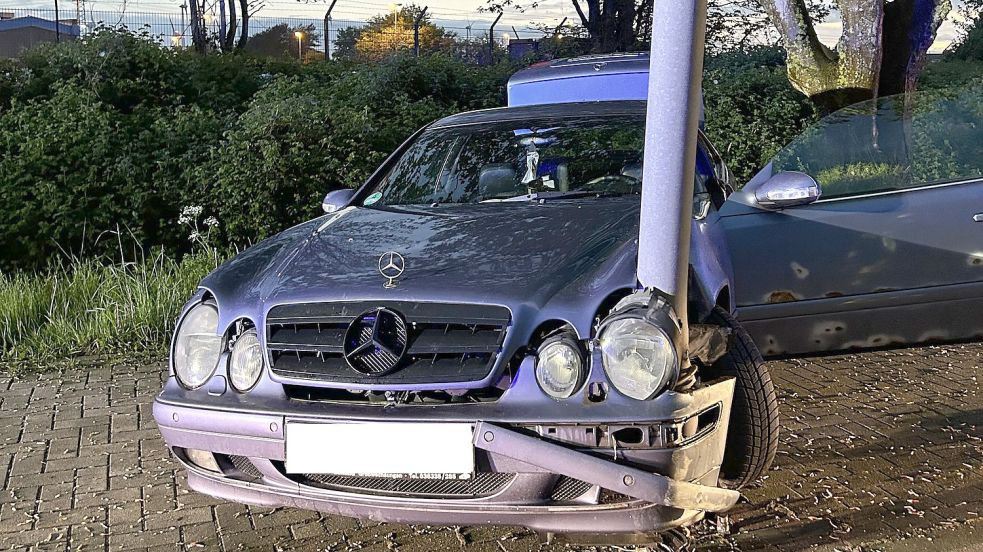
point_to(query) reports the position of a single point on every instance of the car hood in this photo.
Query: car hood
(512, 254)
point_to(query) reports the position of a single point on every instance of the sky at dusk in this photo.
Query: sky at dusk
(456, 15)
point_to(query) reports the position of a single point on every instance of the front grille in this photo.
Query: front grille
(447, 343)
(480, 485)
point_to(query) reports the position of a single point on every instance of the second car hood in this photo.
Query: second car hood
(503, 252)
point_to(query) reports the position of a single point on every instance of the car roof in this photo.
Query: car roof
(583, 66)
(592, 78)
(546, 111)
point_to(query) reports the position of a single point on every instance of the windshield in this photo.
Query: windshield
(517, 161)
(892, 143)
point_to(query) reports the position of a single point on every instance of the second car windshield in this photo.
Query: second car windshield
(517, 161)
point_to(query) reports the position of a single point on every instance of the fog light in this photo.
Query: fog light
(560, 367)
(246, 364)
(203, 459)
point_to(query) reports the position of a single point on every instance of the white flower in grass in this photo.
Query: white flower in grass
(211, 222)
(193, 211)
(195, 236)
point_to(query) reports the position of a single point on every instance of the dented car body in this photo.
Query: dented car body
(890, 253)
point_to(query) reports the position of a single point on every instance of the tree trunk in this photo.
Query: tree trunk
(244, 35)
(609, 23)
(228, 41)
(198, 38)
(880, 52)
(910, 27)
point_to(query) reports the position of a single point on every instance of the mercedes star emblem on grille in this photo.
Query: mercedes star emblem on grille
(376, 342)
(391, 266)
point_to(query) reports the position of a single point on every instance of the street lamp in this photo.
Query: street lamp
(300, 45)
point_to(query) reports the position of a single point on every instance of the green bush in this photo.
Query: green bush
(114, 133)
(751, 109)
(299, 139)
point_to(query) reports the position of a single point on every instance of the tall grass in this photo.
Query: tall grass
(89, 307)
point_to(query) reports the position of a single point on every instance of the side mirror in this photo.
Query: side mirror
(787, 189)
(336, 200)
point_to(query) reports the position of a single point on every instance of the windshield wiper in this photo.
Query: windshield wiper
(572, 194)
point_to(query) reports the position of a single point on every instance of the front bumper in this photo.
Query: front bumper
(653, 484)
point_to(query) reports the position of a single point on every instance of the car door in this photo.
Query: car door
(892, 251)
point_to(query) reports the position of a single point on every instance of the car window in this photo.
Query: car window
(506, 160)
(704, 170)
(890, 144)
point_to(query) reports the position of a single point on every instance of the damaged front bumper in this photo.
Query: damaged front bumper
(572, 474)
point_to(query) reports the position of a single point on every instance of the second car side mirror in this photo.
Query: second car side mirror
(336, 200)
(787, 189)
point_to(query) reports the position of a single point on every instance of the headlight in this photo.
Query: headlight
(197, 346)
(246, 363)
(560, 367)
(639, 358)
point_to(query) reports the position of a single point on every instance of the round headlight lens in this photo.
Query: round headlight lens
(639, 358)
(246, 363)
(560, 368)
(197, 346)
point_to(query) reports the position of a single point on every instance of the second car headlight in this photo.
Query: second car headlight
(560, 367)
(197, 346)
(639, 358)
(246, 363)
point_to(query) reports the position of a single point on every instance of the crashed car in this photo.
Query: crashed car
(463, 340)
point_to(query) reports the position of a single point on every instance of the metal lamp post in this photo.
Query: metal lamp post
(300, 45)
(327, 31)
(676, 70)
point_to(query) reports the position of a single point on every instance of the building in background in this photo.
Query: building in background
(19, 33)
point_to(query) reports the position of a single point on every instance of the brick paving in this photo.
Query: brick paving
(880, 451)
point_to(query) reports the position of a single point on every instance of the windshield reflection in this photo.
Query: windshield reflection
(549, 159)
(892, 143)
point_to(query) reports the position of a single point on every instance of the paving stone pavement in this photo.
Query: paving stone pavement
(880, 450)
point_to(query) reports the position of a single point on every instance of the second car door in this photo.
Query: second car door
(891, 254)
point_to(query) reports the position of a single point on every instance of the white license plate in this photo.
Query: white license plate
(380, 448)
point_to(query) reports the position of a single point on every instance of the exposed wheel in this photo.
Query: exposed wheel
(752, 439)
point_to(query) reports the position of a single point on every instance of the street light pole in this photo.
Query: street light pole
(327, 31)
(491, 40)
(57, 24)
(673, 111)
(416, 31)
(300, 46)
(184, 6)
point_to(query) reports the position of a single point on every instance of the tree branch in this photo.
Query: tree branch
(580, 12)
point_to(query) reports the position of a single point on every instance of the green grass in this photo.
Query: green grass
(88, 307)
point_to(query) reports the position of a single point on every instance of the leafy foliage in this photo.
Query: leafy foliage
(386, 34)
(751, 109)
(114, 133)
(280, 41)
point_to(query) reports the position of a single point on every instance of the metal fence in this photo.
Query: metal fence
(173, 29)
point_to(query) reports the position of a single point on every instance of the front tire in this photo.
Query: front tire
(752, 439)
